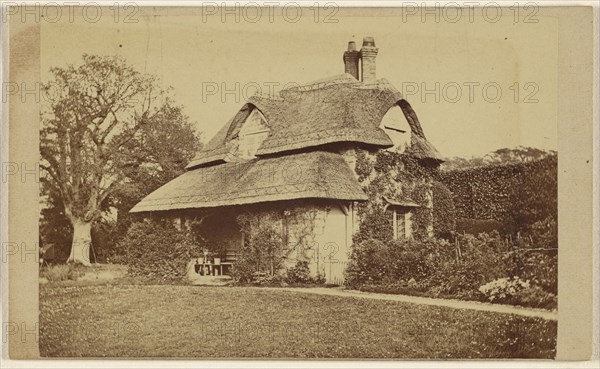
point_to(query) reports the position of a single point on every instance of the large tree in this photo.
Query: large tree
(92, 139)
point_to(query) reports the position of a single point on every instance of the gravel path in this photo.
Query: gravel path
(455, 304)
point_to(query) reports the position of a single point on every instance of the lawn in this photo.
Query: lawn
(111, 320)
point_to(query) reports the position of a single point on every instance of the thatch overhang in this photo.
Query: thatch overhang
(402, 203)
(335, 110)
(311, 175)
(422, 149)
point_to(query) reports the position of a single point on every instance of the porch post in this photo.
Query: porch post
(395, 224)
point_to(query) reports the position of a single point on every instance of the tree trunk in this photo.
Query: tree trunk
(82, 241)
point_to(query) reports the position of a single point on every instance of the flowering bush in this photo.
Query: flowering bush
(503, 289)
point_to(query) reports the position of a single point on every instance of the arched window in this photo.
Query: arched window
(396, 127)
(252, 133)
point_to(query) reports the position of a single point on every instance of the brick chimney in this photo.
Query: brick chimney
(368, 53)
(351, 58)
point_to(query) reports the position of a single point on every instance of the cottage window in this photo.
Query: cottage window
(402, 223)
(396, 127)
(252, 134)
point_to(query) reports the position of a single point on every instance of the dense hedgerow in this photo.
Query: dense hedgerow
(516, 195)
(157, 250)
(444, 211)
(435, 267)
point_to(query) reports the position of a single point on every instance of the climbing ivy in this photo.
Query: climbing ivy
(268, 233)
(395, 175)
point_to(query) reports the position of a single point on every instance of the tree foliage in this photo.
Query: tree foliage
(519, 154)
(101, 134)
(102, 106)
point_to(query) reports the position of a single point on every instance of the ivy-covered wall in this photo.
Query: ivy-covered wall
(395, 175)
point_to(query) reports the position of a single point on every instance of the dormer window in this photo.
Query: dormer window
(252, 134)
(396, 127)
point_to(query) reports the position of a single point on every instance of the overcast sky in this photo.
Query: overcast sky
(195, 54)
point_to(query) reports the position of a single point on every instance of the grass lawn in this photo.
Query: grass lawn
(121, 320)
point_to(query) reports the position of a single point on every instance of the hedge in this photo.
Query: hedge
(444, 211)
(154, 249)
(477, 226)
(518, 195)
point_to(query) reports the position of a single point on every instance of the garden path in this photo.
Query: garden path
(456, 304)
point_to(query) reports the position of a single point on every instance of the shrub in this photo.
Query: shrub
(541, 269)
(262, 250)
(535, 296)
(406, 260)
(157, 250)
(300, 273)
(362, 267)
(518, 292)
(244, 269)
(455, 269)
(264, 279)
(104, 239)
(544, 233)
(503, 289)
(62, 272)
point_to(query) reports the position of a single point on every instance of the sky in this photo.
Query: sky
(476, 85)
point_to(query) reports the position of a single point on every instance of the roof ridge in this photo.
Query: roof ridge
(325, 82)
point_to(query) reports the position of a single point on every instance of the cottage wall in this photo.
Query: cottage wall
(328, 247)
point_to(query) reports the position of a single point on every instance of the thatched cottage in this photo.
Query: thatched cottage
(296, 153)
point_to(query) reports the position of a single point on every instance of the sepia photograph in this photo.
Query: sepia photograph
(245, 181)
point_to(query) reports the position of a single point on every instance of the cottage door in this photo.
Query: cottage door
(333, 264)
(336, 245)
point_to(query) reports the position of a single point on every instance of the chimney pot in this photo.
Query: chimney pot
(351, 60)
(368, 53)
(368, 41)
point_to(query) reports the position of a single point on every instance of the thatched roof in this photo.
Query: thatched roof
(306, 118)
(316, 174)
(339, 109)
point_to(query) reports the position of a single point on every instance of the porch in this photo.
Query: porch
(317, 231)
